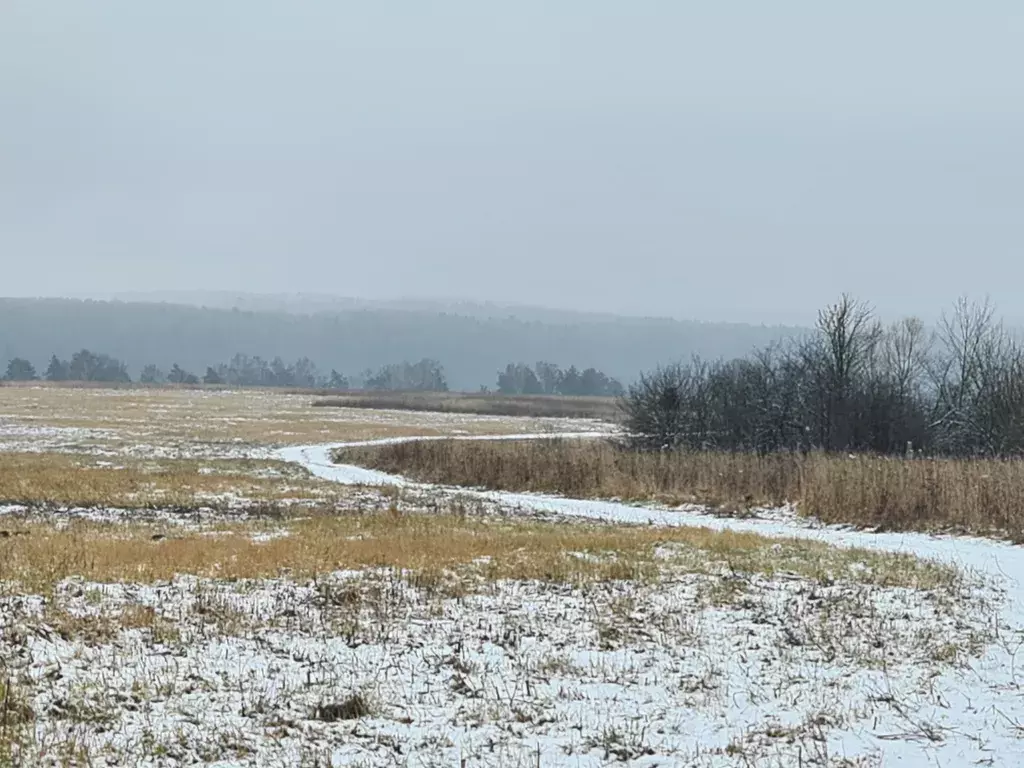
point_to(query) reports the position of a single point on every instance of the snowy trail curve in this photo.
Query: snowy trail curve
(1000, 560)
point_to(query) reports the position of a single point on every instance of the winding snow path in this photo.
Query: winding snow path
(990, 692)
(1000, 560)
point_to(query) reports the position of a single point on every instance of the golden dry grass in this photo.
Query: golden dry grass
(983, 497)
(179, 419)
(103, 627)
(83, 480)
(590, 468)
(604, 408)
(428, 547)
(973, 496)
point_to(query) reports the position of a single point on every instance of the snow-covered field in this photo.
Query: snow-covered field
(708, 664)
(775, 671)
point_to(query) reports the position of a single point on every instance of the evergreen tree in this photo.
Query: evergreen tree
(519, 379)
(57, 370)
(20, 369)
(179, 375)
(152, 375)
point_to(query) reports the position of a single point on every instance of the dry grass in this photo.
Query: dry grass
(251, 662)
(351, 708)
(432, 550)
(590, 468)
(182, 419)
(971, 496)
(16, 717)
(103, 628)
(604, 408)
(82, 480)
(982, 497)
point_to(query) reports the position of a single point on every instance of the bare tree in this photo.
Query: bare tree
(850, 335)
(906, 349)
(852, 386)
(970, 346)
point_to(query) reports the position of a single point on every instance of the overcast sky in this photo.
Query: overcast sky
(716, 160)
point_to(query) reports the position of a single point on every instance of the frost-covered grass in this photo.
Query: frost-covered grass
(396, 638)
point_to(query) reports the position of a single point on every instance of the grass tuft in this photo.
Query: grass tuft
(351, 708)
(16, 718)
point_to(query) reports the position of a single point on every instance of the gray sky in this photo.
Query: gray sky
(718, 160)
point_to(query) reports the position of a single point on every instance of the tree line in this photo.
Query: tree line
(426, 375)
(240, 371)
(83, 366)
(549, 379)
(853, 384)
(254, 371)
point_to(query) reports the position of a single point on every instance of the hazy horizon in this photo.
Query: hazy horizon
(254, 301)
(742, 163)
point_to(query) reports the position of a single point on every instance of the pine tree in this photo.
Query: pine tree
(57, 370)
(20, 369)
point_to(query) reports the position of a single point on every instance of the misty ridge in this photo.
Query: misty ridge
(330, 342)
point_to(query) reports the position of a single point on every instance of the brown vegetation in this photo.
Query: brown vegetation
(185, 420)
(589, 469)
(16, 718)
(570, 596)
(978, 496)
(430, 548)
(538, 406)
(83, 480)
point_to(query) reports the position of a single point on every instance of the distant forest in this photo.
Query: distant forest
(338, 348)
(244, 371)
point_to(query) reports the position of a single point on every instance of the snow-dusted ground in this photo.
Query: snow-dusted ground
(702, 669)
(162, 423)
(981, 710)
(39, 438)
(520, 674)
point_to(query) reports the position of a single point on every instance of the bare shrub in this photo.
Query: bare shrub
(852, 385)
